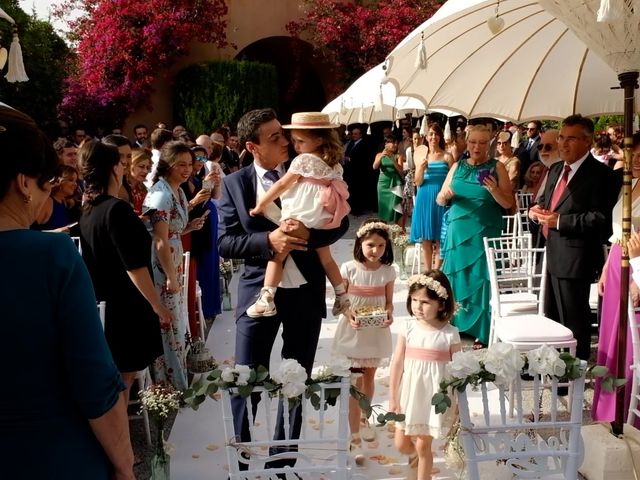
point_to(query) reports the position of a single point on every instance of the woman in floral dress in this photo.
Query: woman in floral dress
(169, 215)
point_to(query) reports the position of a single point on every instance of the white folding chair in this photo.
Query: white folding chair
(186, 263)
(518, 268)
(524, 200)
(510, 225)
(76, 241)
(102, 311)
(634, 404)
(416, 260)
(494, 438)
(143, 379)
(322, 451)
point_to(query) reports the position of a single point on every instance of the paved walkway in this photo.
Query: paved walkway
(198, 436)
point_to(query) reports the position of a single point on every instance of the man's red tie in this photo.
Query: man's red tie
(557, 193)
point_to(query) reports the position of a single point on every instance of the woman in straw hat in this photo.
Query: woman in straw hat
(313, 192)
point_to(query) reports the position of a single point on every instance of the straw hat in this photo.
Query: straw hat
(310, 120)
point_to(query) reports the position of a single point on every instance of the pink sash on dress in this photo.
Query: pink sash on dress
(427, 354)
(333, 197)
(367, 291)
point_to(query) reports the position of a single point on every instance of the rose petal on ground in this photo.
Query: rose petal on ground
(373, 445)
(396, 471)
(195, 455)
(212, 447)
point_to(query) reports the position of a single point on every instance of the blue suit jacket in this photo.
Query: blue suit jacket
(242, 236)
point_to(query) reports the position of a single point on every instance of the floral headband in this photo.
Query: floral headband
(368, 227)
(430, 283)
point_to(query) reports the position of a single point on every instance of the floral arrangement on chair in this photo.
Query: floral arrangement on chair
(501, 364)
(289, 381)
(160, 401)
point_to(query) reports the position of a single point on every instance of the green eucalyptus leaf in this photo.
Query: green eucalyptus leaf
(245, 390)
(599, 371)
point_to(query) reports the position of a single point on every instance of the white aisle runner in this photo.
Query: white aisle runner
(198, 436)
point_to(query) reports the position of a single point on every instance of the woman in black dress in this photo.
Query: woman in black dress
(117, 250)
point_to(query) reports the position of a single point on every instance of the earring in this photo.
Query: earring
(27, 199)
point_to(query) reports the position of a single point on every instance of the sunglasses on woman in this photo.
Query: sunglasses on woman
(547, 147)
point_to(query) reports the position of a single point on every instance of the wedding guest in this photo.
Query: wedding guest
(57, 213)
(66, 416)
(170, 220)
(604, 403)
(133, 190)
(478, 188)
(117, 250)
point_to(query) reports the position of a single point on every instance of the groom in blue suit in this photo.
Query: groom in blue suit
(256, 240)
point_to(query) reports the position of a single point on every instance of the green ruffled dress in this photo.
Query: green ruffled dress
(474, 214)
(389, 191)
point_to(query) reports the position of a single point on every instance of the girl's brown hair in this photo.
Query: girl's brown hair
(387, 256)
(447, 305)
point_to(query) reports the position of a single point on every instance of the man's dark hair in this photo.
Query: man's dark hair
(538, 124)
(159, 137)
(61, 144)
(577, 119)
(140, 125)
(250, 123)
(116, 140)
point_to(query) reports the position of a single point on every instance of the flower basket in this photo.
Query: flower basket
(371, 317)
(199, 359)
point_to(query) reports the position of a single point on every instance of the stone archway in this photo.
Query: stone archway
(301, 84)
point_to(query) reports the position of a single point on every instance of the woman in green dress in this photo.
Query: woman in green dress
(390, 181)
(477, 188)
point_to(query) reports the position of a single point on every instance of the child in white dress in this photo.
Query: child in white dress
(423, 349)
(313, 192)
(369, 279)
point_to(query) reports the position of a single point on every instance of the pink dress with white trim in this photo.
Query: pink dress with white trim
(319, 198)
(426, 356)
(368, 347)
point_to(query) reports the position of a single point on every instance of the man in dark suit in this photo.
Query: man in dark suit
(574, 213)
(256, 240)
(528, 151)
(358, 170)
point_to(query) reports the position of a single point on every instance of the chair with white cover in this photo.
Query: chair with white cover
(524, 331)
(523, 202)
(519, 443)
(320, 452)
(142, 378)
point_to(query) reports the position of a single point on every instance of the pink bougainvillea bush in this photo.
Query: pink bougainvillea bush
(357, 36)
(123, 45)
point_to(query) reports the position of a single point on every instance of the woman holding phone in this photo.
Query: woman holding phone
(169, 222)
(477, 189)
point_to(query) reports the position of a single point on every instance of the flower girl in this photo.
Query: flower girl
(424, 347)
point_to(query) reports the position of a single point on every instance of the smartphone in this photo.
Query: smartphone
(205, 214)
(71, 225)
(207, 185)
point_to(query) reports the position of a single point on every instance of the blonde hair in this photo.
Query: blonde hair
(139, 155)
(478, 129)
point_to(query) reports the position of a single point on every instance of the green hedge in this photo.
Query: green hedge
(208, 95)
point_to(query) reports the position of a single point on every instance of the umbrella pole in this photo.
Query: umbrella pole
(628, 82)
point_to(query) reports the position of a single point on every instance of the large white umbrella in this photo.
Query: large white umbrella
(544, 59)
(369, 100)
(536, 67)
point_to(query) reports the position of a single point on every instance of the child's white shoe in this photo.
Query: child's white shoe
(341, 304)
(264, 306)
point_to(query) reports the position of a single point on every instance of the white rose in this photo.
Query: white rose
(340, 366)
(243, 372)
(292, 390)
(545, 360)
(463, 364)
(290, 371)
(504, 361)
(227, 375)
